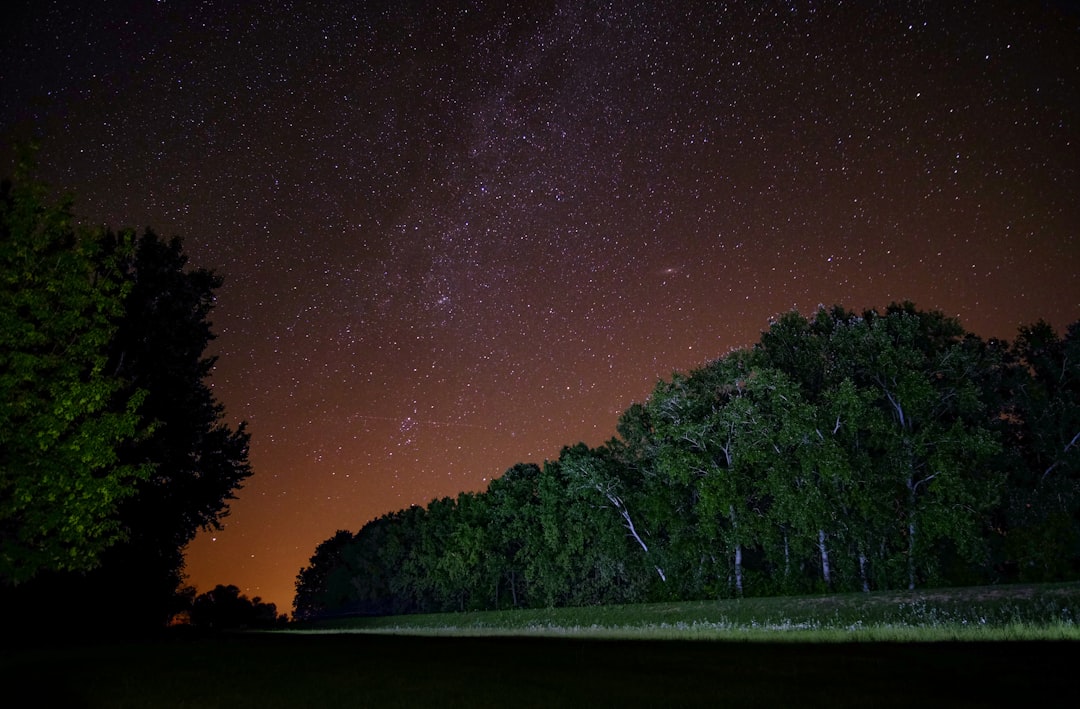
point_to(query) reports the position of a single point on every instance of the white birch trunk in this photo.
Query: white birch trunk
(911, 533)
(738, 553)
(825, 572)
(787, 557)
(617, 502)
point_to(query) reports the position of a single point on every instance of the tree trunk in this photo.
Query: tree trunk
(738, 553)
(738, 569)
(787, 557)
(618, 503)
(911, 553)
(825, 572)
(862, 572)
(911, 533)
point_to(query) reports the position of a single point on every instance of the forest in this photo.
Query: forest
(841, 452)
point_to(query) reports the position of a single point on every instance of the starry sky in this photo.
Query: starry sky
(456, 237)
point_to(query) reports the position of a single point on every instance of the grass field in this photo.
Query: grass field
(1015, 612)
(623, 656)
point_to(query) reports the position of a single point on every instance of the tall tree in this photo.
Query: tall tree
(513, 498)
(158, 349)
(314, 595)
(830, 466)
(468, 563)
(704, 423)
(926, 428)
(199, 459)
(1043, 429)
(579, 557)
(666, 503)
(601, 471)
(64, 413)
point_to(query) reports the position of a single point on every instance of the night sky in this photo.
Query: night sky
(455, 239)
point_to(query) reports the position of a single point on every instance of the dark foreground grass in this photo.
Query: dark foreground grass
(288, 670)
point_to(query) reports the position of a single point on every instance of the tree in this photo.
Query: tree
(64, 413)
(199, 461)
(667, 505)
(578, 556)
(225, 608)
(926, 429)
(703, 422)
(155, 349)
(467, 564)
(513, 500)
(1043, 428)
(834, 494)
(599, 470)
(313, 594)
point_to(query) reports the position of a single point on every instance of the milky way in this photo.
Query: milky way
(457, 239)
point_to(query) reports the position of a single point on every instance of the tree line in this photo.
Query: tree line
(841, 452)
(114, 451)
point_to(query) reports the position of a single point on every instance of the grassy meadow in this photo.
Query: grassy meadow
(1015, 612)
(976, 647)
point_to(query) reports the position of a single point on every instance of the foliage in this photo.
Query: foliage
(1042, 515)
(844, 452)
(114, 450)
(199, 460)
(64, 413)
(225, 608)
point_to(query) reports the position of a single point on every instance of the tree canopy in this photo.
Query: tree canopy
(198, 459)
(882, 450)
(114, 451)
(64, 413)
(225, 608)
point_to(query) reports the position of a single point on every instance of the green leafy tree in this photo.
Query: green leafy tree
(467, 562)
(579, 557)
(1043, 430)
(513, 499)
(64, 413)
(420, 581)
(833, 494)
(157, 348)
(364, 583)
(666, 503)
(600, 471)
(793, 469)
(410, 581)
(927, 432)
(704, 423)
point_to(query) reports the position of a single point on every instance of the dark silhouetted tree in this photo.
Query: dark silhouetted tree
(199, 460)
(225, 608)
(314, 596)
